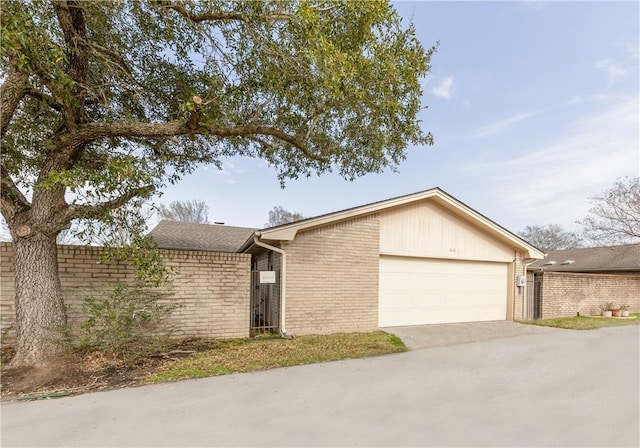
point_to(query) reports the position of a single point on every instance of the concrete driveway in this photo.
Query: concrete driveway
(438, 335)
(565, 388)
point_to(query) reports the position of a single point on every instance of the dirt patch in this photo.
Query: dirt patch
(78, 373)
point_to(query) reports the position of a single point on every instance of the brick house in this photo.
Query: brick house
(417, 259)
(567, 282)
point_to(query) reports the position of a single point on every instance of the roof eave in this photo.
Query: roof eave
(288, 232)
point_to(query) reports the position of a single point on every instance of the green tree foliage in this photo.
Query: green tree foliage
(104, 102)
(278, 215)
(614, 217)
(194, 211)
(550, 237)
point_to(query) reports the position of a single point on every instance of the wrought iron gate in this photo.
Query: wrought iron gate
(265, 304)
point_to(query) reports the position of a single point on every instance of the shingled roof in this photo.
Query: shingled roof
(209, 237)
(592, 259)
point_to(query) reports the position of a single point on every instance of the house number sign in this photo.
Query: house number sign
(267, 276)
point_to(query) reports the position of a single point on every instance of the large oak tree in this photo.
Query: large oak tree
(104, 102)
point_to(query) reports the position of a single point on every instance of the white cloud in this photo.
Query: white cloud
(227, 172)
(585, 99)
(499, 126)
(552, 183)
(443, 90)
(612, 70)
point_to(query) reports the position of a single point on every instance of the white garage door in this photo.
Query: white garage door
(416, 291)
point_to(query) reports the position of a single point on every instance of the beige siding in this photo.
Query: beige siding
(425, 229)
(332, 278)
(211, 288)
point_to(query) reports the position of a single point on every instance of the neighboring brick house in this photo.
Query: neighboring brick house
(567, 282)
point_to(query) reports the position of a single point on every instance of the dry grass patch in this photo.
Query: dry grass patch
(259, 354)
(585, 322)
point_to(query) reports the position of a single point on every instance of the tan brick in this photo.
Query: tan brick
(332, 277)
(214, 305)
(565, 294)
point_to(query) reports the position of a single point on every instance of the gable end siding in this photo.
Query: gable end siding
(426, 229)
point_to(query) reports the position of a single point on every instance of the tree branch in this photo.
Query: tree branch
(117, 60)
(96, 131)
(13, 89)
(74, 28)
(47, 99)
(12, 201)
(220, 16)
(97, 210)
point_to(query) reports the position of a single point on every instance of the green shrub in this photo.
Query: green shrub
(130, 322)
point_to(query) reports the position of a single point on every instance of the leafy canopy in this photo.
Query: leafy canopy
(106, 101)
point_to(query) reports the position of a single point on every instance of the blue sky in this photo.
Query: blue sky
(534, 108)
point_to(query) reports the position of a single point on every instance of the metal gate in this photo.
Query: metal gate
(265, 303)
(534, 305)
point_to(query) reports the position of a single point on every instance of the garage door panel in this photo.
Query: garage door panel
(415, 291)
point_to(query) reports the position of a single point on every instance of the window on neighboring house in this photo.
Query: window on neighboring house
(270, 260)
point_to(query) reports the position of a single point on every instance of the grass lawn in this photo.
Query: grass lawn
(585, 322)
(265, 353)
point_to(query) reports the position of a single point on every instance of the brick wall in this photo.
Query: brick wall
(211, 288)
(565, 294)
(332, 278)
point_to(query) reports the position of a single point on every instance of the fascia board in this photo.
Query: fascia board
(289, 232)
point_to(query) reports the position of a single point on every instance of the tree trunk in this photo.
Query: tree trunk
(40, 309)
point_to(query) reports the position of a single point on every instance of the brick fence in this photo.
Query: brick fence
(211, 289)
(564, 294)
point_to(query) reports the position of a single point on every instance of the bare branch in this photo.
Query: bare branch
(615, 214)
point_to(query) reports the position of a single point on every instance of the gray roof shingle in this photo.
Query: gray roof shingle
(593, 259)
(209, 237)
